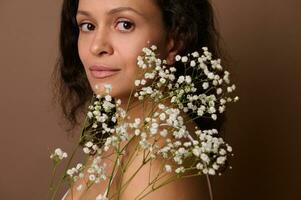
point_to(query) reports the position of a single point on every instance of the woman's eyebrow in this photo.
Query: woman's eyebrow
(113, 11)
(82, 12)
(120, 9)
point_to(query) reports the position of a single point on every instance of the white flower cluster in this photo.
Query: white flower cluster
(121, 130)
(96, 172)
(76, 172)
(202, 91)
(58, 155)
(205, 147)
(153, 71)
(115, 140)
(98, 112)
(102, 119)
(208, 150)
(90, 148)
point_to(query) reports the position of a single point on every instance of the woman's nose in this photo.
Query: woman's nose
(101, 43)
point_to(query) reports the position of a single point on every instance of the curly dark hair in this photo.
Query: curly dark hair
(191, 23)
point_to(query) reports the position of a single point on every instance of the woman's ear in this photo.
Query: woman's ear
(172, 50)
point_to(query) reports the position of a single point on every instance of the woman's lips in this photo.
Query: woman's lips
(100, 72)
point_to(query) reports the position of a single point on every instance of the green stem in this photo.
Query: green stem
(209, 187)
(52, 179)
(113, 171)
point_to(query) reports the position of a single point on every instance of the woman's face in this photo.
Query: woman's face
(112, 35)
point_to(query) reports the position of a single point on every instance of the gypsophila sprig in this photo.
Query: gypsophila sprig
(200, 93)
(101, 122)
(203, 90)
(58, 155)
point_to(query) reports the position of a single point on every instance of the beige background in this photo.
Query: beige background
(263, 38)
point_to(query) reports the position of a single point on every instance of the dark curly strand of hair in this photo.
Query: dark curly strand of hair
(190, 22)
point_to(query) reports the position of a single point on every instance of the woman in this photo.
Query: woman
(100, 41)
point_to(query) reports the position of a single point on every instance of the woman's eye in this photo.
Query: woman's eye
(85, 27)
(124, 26)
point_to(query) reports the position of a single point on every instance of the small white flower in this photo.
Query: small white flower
(212, 109)
(172, 69)
(200, 112)
(199, 166)
(180, 170)
(192, 63)
(229, 89)
(222, 152)
(215, 82)
(86, 150)
(181, 79)
(154, 47)
(64, 155)
(184, 59)
(187, 144)
(108, 88)
(195, 54)
(211, 171)
(222, 101)
(92, 177)
(205, 158)
(210, 75)
(196, 152)
(162, 80)
(214, 116)
(108, 98)
(205, 85)
(188, 79)
(70, 172)
(140, 62)
(219, 90)
(101, 197)
(178, 58)
(137, 132)
(162, 116)
(215, 166)
(143, 82)
(90, 114)
(164, 133)
(89, 144)
(161, 106)
(153, 131)
(79, 166)
(95, 147)
(229, 148)
(58, 154)
(79, 188)
(221, 160)
(221, 109)
(168, 168)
